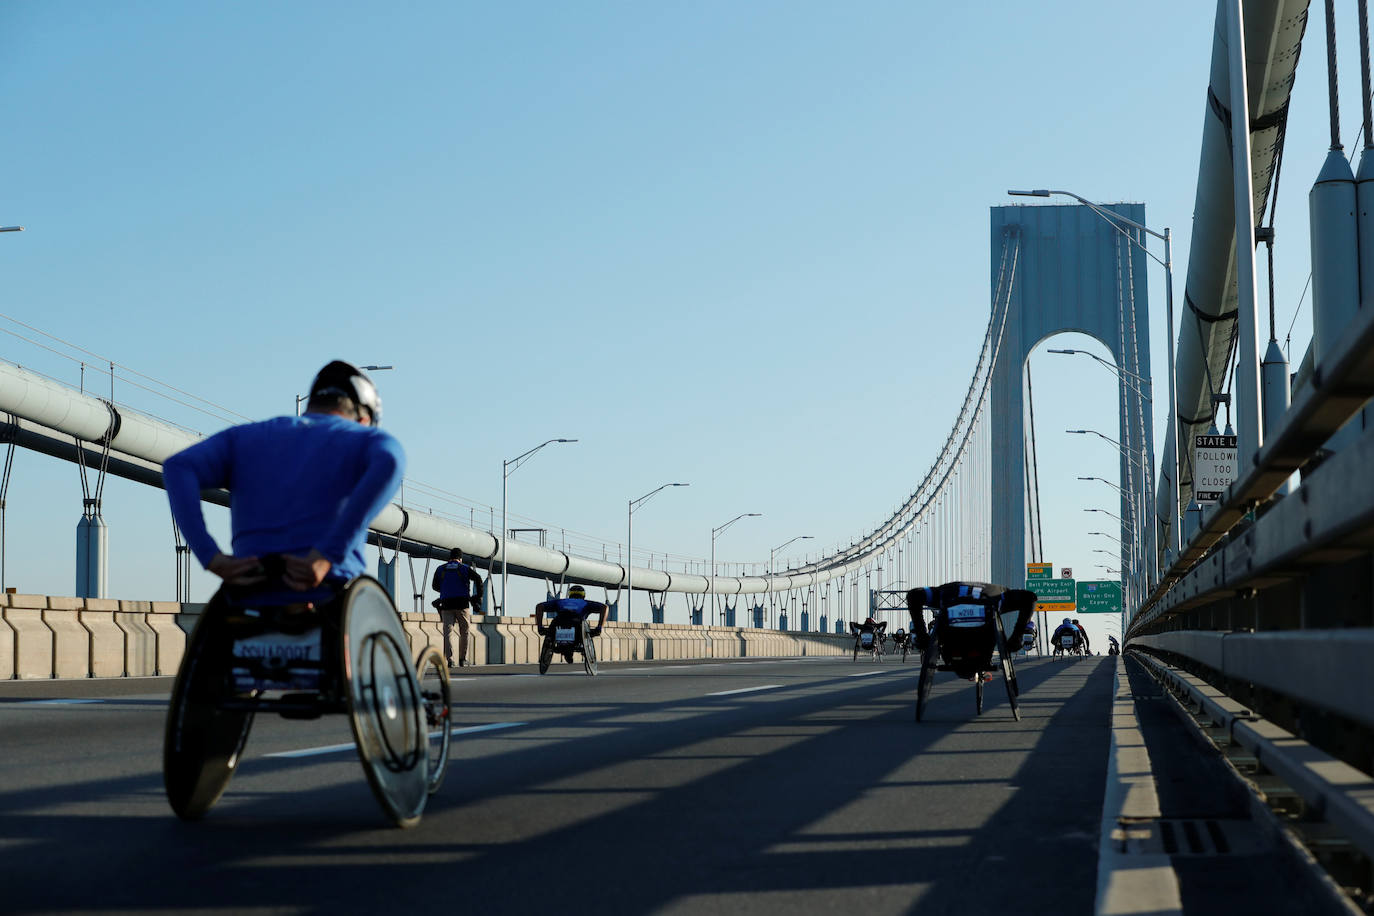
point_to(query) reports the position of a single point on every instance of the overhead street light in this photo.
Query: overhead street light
(1105, 512)
(508, 468)
(1116, 220)
(1114, 368)
(711, 582)
(800, 537)
(630, 544)
(11, 228)
(1107, 482)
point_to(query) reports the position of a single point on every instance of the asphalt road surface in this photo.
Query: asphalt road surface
(740, 786)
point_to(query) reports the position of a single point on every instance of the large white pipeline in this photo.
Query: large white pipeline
(49, 412)
(1273, 39)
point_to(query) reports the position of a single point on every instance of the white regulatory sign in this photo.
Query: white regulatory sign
(1214, 466)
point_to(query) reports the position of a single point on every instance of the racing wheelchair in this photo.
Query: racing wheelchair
(567, 634)
(869, 639)
(1067, 644)
(965, 630)
(301, 655)
(901, 640)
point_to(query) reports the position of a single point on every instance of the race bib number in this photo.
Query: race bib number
(866, 639)
(564, 634)
(967, 615)
(1066, 642)
(1028, 640)
(280, 650)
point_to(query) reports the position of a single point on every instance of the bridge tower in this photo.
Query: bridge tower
(1074, 271)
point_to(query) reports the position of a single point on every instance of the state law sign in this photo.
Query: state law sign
(1214, 466)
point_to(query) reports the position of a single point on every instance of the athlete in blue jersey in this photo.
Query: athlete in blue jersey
(302, 487)
(571, 611)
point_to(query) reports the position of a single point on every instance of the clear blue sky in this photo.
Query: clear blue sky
(739, 244)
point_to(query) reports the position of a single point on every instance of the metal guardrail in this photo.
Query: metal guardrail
(1334, 791)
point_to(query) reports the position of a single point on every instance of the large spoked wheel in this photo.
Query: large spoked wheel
(904, 651)
(588, 651)
(978, 691)
(386, 708)
(436, 693)
(203, 743)
(856, 650)
(926, 679)
(546, 653)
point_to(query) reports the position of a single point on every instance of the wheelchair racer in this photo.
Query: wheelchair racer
(1087, 646)
(1067, 628)
(304, 488)
(577, 605)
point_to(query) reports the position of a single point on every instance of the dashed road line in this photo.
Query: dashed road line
(726, 693)
(336, 748)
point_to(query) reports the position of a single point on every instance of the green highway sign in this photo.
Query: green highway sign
(1099, 597)
(1053, 594)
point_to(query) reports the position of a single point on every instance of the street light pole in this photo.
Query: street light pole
(711, 581)
(508, 468)
(630, 544)
(800, 537)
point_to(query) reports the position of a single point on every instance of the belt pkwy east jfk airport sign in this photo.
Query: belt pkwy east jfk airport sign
(1100, 597)
(1214, 466)
(1053, 594)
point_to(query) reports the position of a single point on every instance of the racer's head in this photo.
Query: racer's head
(577, 591)
(344, 389)
(455, 554)
(1067, 622)
(1075, 621)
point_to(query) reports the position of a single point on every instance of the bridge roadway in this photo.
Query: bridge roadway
(759, 786)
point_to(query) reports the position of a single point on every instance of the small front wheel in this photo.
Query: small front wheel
(436, 698)
(546, 653)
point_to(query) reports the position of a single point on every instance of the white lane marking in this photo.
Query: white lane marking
(72, 702)
(866, 674)
(636, 669)
(336, 748)
(726, 693)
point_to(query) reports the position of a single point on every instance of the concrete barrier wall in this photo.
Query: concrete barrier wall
(62, 637)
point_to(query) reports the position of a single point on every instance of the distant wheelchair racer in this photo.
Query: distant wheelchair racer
(569, 633)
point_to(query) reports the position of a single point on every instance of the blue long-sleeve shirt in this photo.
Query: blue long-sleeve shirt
(295, 484)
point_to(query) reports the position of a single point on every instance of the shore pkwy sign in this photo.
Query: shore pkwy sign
(1039, 571)
(1103, 597)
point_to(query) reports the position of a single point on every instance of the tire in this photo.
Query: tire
(978, 691)
(588, 653)
(926, 679)
(202, 743)
(437, 698)
(904, 651)
(385, 707)
(546, 653)
(856, 650)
